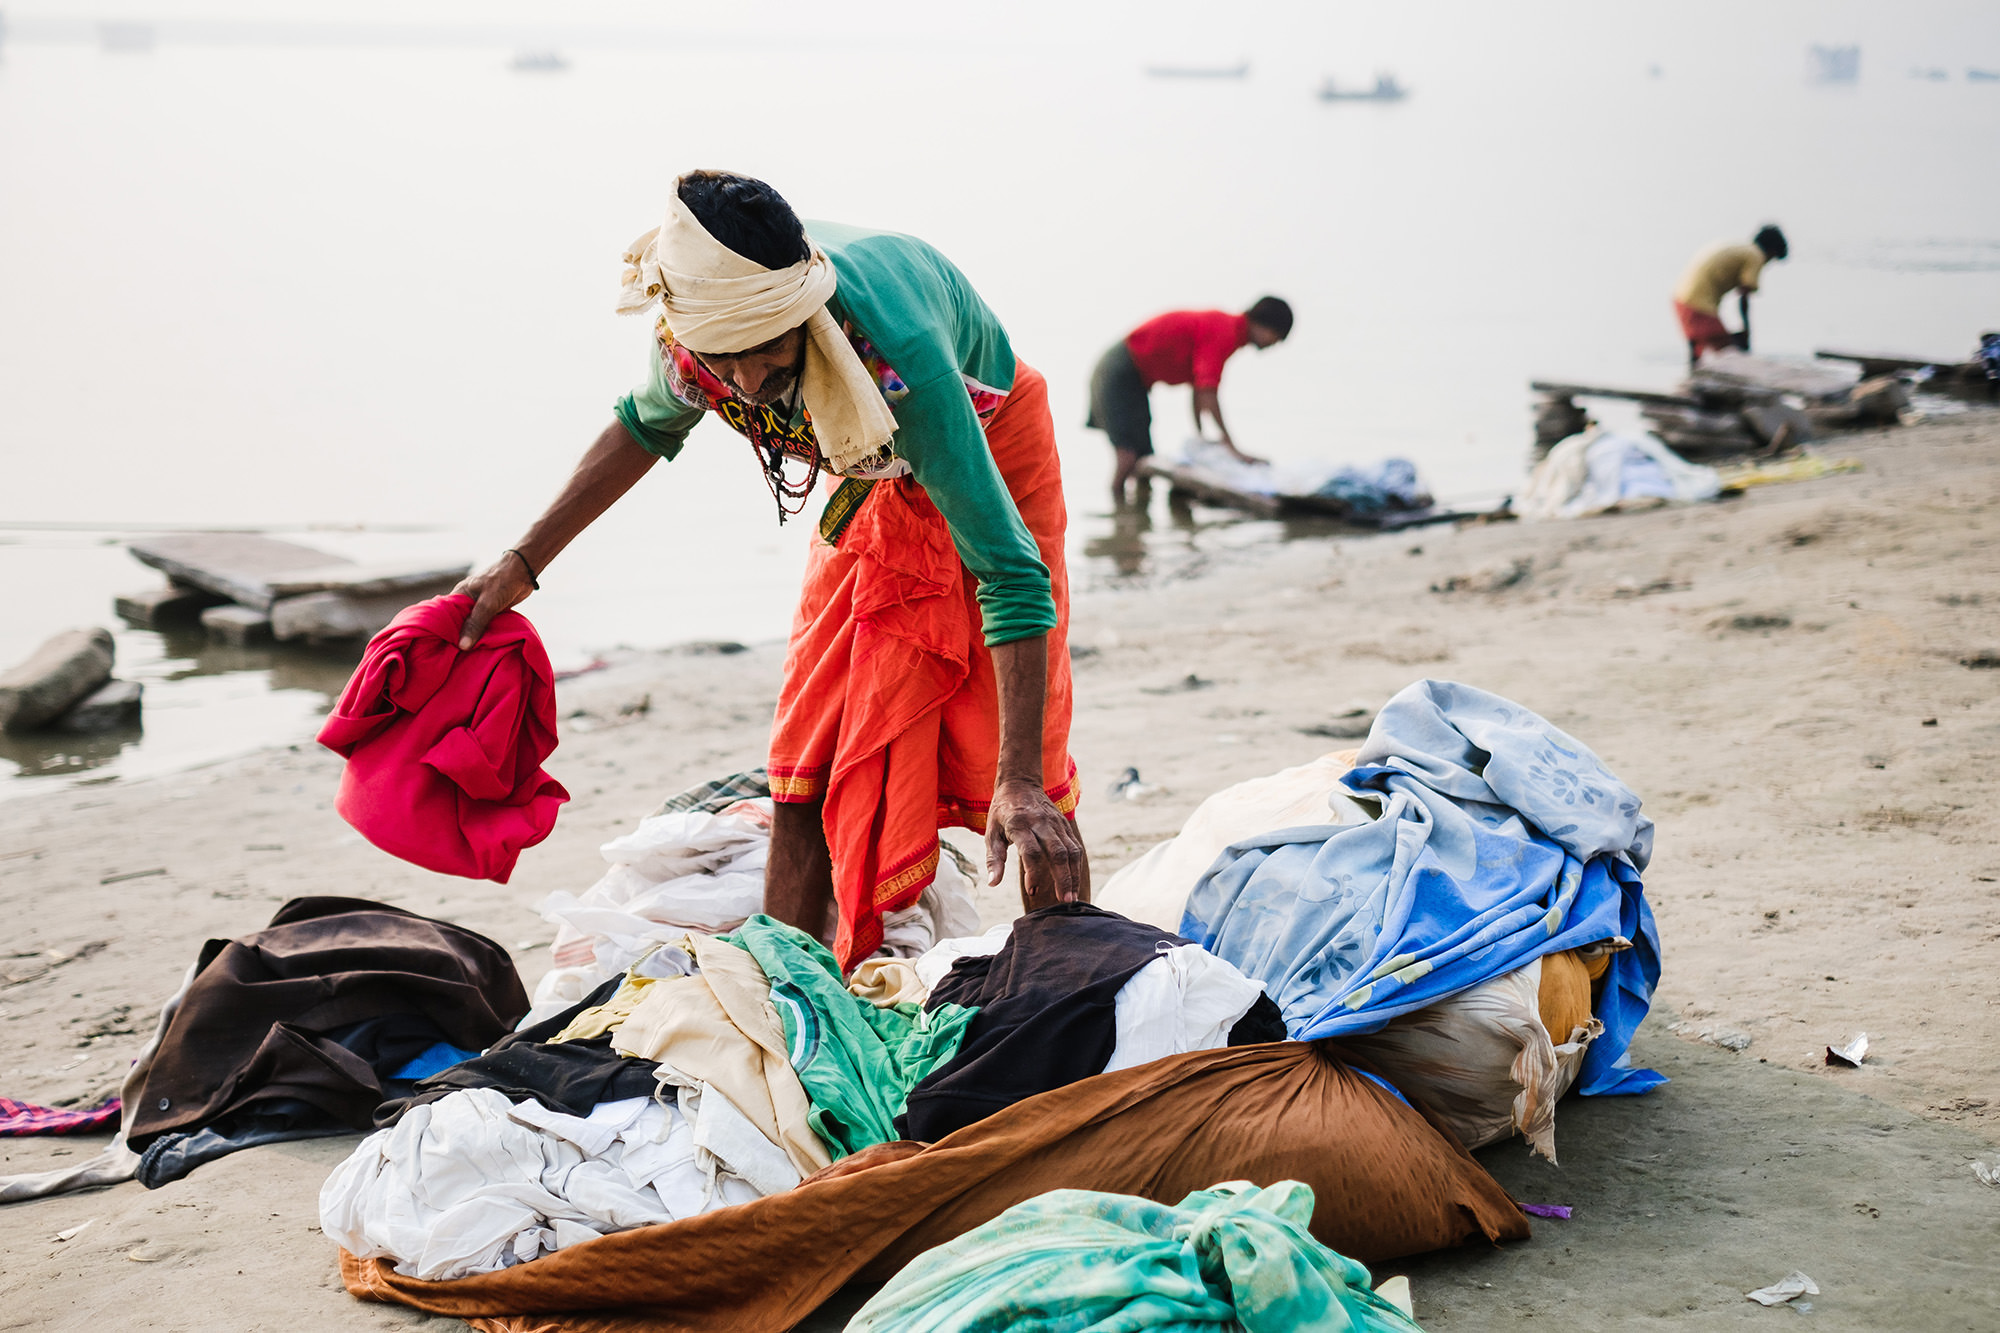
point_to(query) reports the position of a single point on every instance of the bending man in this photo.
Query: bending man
(1716, 272)
(1179, 347)
(927, 683)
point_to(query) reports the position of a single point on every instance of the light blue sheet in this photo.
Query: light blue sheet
(1500, 839)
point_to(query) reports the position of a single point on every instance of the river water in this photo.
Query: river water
(353, 285)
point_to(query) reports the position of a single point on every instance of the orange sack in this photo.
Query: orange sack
(889, 708)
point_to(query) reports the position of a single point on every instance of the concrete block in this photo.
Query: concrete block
(236, 565)
(60, 672)
(238, 625)
(114, 704)
(336, 617)
(377, 580)
(160, 608)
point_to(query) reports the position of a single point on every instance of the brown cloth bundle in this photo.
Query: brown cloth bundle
(1386, 1184)
(248, 1027)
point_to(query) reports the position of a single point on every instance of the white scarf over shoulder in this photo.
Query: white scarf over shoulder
(717, 301)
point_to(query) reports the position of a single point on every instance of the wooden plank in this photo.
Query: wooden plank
(1875, 363)
(1600, 391)
(1190, 482)
(236, 565)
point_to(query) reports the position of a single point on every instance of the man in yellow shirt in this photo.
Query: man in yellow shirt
(1716, 272)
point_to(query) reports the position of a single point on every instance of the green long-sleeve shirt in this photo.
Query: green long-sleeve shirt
(923, 318)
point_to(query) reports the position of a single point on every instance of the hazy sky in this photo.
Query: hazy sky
(1413, 35)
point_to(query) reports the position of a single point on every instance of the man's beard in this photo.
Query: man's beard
(777, 385)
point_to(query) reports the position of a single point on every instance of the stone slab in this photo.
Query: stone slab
(112, 705)
(370, 580)
(338, 617)
(235, 565)
(237, 625)
(60, 672)
(158, 608)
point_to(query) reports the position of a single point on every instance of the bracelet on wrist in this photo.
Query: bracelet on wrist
(533, 582)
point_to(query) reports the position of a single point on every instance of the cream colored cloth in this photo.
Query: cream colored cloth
(1155, 888)
(886, 981)
(1483, 1061)
(717, 301)
(718, 1028)
(602, 1018)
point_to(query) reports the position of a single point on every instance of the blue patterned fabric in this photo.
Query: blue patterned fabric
(1500, 839)
(1233, 1258)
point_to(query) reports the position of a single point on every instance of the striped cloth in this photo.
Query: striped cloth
(22, 1118)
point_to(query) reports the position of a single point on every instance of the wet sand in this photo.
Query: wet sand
(1778, 676)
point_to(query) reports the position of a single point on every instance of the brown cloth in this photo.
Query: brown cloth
(1385, 1184)
(1564, 997)
(249, 1026)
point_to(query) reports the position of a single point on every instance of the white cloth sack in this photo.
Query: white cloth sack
(1155, 888)
(1598, 471)
(472, 1182)
(1483, 1061)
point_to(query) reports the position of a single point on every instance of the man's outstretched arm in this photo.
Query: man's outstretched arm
(607, 470)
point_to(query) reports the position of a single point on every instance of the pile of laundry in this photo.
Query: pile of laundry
(1599, 471)
(1458, 902)
(1331, 983)
(723, 1068)
(697, 863)
(1387, 486)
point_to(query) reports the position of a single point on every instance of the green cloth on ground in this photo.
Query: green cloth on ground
(929, 323)
(1075, 1261)
(857, 1062)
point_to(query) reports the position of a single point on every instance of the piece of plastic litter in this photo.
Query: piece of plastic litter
(1396, 1291)
(1852, 1054)
(1561, 1210)
(1988, 1173)
(73, 1232)
(1794, 1283)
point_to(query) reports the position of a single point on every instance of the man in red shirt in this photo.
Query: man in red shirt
(1179, 347)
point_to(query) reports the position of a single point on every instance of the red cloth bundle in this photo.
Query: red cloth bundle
(444, 748)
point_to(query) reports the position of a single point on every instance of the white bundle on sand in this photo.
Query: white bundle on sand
(1599, 471)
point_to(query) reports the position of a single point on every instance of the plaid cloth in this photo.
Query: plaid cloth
(21, 1118)
(718, 795)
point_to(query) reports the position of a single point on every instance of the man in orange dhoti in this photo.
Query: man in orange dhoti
(927, 684)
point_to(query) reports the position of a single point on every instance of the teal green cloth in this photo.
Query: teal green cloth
(858, 1062)
(928, 323)
(1074, 1261)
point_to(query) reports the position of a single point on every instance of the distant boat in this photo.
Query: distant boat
(1982, 76)
(1386, 89)
(1932, 73)
(1240, 70)
(126, 36)
(1833, 64)
(539, 62)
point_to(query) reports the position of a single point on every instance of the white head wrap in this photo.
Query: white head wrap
(717, 301)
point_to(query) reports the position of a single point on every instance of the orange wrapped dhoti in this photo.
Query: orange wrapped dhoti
(889, 708)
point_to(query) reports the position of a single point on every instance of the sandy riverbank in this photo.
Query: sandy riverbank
(1778, 676)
